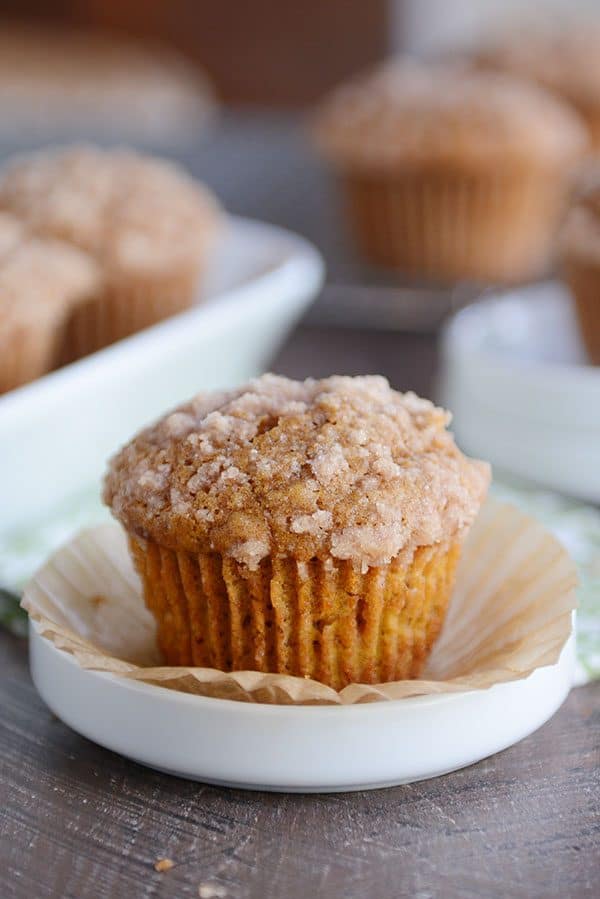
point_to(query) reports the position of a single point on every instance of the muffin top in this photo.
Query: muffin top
(132, 212)
(41, 279)
(406, 111)
(341, 467)
(565, 59)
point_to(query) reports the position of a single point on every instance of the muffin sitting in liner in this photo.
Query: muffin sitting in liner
(581, 264)
(307, 528)
(146, 224)
(452, 173)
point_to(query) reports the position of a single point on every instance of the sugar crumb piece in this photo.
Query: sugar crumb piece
(163, 864)
(179, 424)
(312, 524)
(327, 462)
(250, 552)
(211, 891)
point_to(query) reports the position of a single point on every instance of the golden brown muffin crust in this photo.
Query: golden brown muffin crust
(342, 467)
(409, 112)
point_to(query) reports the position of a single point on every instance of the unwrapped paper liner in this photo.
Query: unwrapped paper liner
(510, 613)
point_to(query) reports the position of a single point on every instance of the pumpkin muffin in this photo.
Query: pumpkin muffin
(307, 528)
(581, 265)
(451, 173)
(148, 225)
(41, 283)
(565, 58)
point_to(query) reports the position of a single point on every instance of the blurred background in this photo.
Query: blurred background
(225, 88)
(261, 60)
(284, 54)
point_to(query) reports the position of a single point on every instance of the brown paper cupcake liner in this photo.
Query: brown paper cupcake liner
(323, 620)
(583, 277)
(510, 613)
(453, 225)
(125, 307)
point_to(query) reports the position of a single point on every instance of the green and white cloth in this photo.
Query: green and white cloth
(576, 525)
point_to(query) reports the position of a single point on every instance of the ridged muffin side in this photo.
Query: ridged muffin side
(328, 621)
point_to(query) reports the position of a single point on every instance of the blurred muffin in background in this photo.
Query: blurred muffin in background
(41, 284)
(451, 173)
(148, 225)
(581, 264)
(55, 82)
(563, 57)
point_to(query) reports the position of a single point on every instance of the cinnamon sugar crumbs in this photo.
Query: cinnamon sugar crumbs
(163, 864)
(342, 467)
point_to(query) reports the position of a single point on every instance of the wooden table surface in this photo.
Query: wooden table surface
(79, 822)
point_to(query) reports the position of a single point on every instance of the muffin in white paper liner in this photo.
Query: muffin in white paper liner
(510, 613)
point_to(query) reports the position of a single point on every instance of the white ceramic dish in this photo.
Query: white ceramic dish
(295, 748)
(515, 377)
(56, 434)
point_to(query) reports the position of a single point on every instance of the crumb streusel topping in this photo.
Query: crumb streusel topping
(130, 211)
(407, 111)
(343, 467)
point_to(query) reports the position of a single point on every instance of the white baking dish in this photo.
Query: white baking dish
(56, 433)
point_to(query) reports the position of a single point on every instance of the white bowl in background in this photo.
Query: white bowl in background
(57, 433)
(515, 377)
